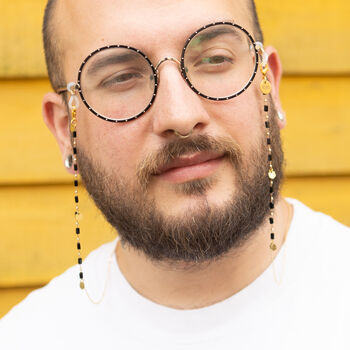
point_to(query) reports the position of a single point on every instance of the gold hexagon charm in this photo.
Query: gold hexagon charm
(265, 87)
(272, 174)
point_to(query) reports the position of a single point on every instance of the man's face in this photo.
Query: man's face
(218, 173)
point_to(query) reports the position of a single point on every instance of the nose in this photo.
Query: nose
(172, 59)
(177, 109)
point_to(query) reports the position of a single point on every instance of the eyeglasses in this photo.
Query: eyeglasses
(119, 83)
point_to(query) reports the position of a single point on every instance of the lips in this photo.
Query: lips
(190, 167)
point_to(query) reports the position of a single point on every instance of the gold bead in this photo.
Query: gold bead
(78, 216)
(82, 285)
(73, 126)
(273, 246)
(272, 174)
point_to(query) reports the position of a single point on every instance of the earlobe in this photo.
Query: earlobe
(56, 118)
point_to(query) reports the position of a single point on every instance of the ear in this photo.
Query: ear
(57, 120)
(274, 76)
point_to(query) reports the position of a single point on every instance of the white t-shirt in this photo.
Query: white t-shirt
(310, 309)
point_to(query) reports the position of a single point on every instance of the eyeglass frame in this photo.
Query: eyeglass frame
(258, 48)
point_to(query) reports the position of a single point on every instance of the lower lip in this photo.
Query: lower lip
(191, 172)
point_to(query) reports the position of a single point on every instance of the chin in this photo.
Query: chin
(189, 196)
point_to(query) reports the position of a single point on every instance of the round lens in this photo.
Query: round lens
(220, 61)
(117, 83)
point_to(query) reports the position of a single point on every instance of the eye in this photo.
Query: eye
(121, 79)
(214, 60)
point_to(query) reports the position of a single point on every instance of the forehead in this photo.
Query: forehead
(153, 26)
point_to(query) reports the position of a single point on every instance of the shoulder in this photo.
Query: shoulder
(319, 246)
(319, 224)
(316, 275)
(51, 306)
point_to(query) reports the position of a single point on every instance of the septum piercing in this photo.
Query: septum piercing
(181, 136)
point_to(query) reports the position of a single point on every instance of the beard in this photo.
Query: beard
(204, 232)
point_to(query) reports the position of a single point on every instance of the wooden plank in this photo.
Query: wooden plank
(38, 241)
(38, 232)
(21, 49)
(10, 297)
(330, 195)
(24, 133)
(311, 36)
(316, 138)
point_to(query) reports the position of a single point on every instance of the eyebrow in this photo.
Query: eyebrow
(215, 33)
(129, 56)
(110, 60)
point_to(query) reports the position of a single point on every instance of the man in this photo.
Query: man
(170, 112)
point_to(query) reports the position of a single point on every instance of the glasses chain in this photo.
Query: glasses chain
(73, 127)
(73, 130)
(265, 87)
(271, 175)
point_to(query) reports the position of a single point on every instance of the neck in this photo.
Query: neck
(191, 286)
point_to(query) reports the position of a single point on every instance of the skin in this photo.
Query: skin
(160, 28)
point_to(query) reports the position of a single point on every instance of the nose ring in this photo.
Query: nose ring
(181, 136)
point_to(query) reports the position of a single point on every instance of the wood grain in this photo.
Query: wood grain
(312, 37)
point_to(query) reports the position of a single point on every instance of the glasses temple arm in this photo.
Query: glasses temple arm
(61, 90)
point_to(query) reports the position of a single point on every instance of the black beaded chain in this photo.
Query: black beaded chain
(76, 195)
(266, 88)
(73, 105)
(272, 176)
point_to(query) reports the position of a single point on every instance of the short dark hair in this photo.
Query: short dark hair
(258, 34)
(51, 47)
(53, 52)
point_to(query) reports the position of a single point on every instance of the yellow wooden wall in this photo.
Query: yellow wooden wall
(36, 238)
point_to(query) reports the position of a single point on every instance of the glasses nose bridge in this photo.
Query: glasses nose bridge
(172, 59)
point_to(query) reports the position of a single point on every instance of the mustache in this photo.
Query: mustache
(179, 147)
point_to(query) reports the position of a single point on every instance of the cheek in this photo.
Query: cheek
(241, 118)
(117, 146)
